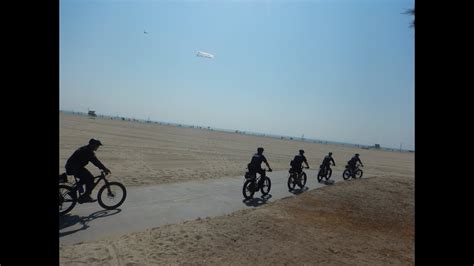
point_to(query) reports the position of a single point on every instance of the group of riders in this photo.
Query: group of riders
(75, 165)
(296, 164)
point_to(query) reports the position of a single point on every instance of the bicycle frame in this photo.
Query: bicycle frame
(298, 175)
(353, 171)
(257, 179)
(100, 177)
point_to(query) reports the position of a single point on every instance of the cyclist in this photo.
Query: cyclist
(255, 165)
(326, 164)
(297, 162)
(75, 166)
(353, 161)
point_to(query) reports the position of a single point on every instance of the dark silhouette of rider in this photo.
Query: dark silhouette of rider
(353, 161)
(75, 166)
(255, 165)
(297, 162)
(326, 164)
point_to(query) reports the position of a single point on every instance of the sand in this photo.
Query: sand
(360, 222)
(141, 154)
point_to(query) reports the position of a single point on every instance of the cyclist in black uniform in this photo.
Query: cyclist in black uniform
(353, 161)
(75, 166)
(255, 165)
(297, 162)
(326, 165)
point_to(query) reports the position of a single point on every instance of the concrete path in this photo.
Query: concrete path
(154, 206)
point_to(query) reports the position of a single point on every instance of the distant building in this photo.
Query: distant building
(91, 113)
(377, 146)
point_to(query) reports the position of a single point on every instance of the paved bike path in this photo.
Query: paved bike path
(154, 206)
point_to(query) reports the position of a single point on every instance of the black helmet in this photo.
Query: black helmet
(95, 142)
(260, 150)
(357, 154)
(301, 151)
(330, 153)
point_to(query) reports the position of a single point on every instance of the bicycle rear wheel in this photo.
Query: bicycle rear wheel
(248, 189)
(291, 182)
(346, 174)
(67, 199)
(320, 175)
(111, 196)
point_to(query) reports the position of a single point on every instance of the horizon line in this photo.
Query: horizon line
(272, 135)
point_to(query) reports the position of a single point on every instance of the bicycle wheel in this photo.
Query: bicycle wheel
(267, 184)
(320, 175)
(112, 195)
(329, 173)
(248, 190)
(302, 180)
(67, 199)
(359, 173)
(291, 182)
(346, 174)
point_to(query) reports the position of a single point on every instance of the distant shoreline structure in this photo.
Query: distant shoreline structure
(282, 137)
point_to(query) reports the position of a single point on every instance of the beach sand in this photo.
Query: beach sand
(359, 222)
(362, 222)
(140, 154)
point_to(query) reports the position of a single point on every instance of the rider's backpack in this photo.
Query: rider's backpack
(292, 163)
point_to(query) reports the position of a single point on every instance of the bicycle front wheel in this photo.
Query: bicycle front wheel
(303, 179)
(111, 195)
(267, 184)
(328, 174)
(67, 199)
(359, 173)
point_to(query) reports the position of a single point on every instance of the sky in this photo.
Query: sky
(335, 70)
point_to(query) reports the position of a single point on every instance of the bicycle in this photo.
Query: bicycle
(69, 195)
(297, 179)
(354, 173)
(252, 185)
(324, 173)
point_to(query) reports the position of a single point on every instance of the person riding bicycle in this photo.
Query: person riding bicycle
(326, 164)
(297, 162)
(75, 166)
(255, 165)
(353, 161)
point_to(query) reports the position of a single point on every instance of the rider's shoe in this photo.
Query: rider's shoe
(86, 198)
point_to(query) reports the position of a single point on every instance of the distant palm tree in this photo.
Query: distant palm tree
(412, 13)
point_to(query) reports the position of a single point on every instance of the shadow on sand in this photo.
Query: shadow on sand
(70, 220)
(299, 191)
(255, 202)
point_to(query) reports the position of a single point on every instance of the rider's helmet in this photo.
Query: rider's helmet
(260, 150)
(301, 151)
(357, 155)
(330, 153)
(95, 142)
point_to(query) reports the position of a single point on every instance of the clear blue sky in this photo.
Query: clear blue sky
(331, 70)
